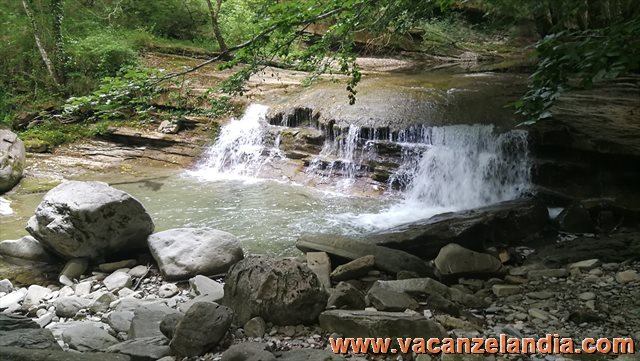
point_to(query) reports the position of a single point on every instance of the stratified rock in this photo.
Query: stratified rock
(143, 349)
(12, 160)
(502, 223)
(15, 322)
(346, 297)
(89, 219)
(387, 259)
(20, 354)
(185, 252)
(202, 327)
(354, 269)
(385, 299)
(26, 247)
(86, 337)
(29, 338)
(248, 351)
(310, 354)
(575, 219)
(379, 324)
(454, 260)
(281, 291)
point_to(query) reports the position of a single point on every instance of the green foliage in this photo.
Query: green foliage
(53, 133)
(579, 59)
(116, 97)
(178, 19)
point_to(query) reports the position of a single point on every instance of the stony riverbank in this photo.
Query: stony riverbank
(192, 294)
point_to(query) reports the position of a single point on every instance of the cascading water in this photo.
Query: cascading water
(439, 169)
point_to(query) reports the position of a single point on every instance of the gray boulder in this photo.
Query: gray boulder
(169, 324)
(12, 160)
(379, 324)
(69, 306)
(27, 248)
(147, 318)
(89, 219)
(354, 269)
(346, 296)
(185, 252)
(86, 337)
(454, 260)
(120, 321)
(202, 327)
(30, 338)
(143, 349)
(386, 299)
(281, 291)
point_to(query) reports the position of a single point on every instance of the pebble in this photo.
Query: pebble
(586, 296)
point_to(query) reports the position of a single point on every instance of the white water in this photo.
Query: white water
(442, 169)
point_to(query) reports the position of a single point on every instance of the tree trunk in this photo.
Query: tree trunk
(215, 13)
(43, 51)
(59, 53)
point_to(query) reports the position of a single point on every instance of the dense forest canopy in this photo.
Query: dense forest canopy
(84, 56)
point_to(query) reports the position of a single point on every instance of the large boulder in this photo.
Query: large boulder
(281, 291)
(29, 338)
(12, 160)
(202, 327)
(90, 220)
(185, 252)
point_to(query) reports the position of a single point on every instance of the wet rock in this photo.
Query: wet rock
(117, 280)
(15, 322)
(147, 318)
(505, 290)
(29, 338)
(168, 290)
(185, 252)
(354, 269)
(202, 327)
(504, 223)
(385, 299)
(90, 220)
(169, 324)
(120, 321)
(627, 277)
(320, 264)
(386, 259)
(454, 260)
(249, 351)
(201, 285)
(27, 248)
(69, 306)
(310, 355)
(281, 291)
(85, 337)
(575, 219)
(378, 324)
(113, 266)
(346, 296)
(143, 349)
(20, 354)
(12, 160)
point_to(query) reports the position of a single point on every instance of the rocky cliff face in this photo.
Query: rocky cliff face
(591, 146)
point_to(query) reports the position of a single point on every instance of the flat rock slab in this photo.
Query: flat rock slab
(10, 322)
(359, 267)
(379, 324)
(29, 338)
(386, 259)
(21, 354)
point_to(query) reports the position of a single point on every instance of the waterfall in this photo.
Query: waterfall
(239, 151)
(439, 169)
